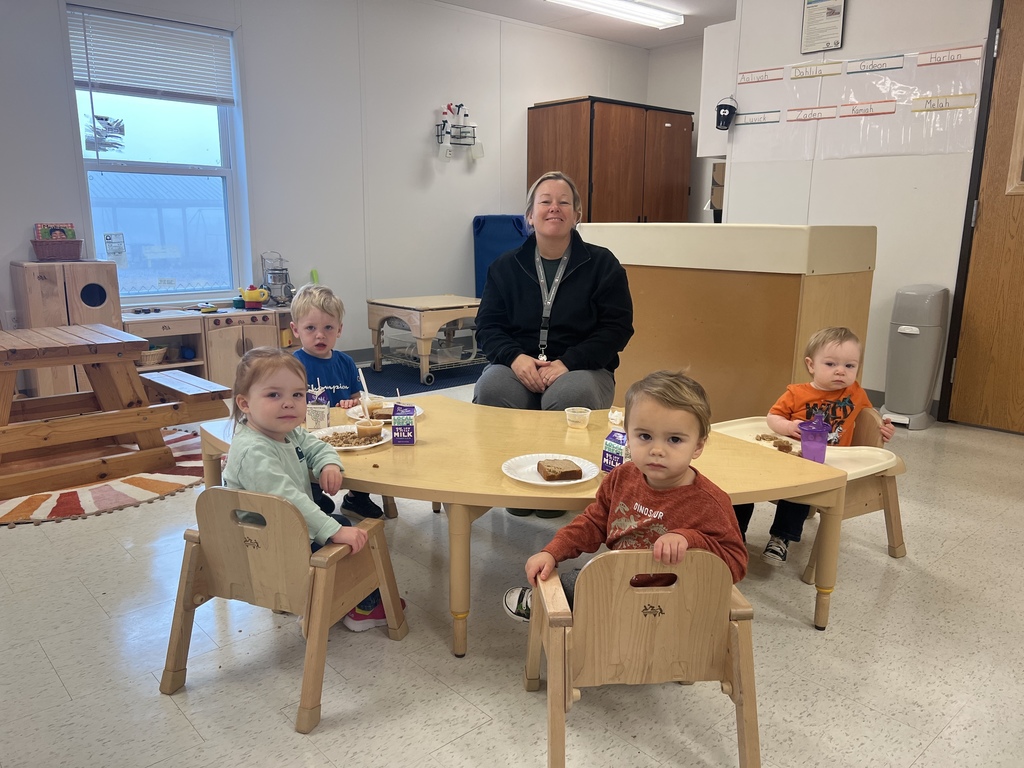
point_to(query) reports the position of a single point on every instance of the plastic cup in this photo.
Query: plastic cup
(814, 439)
(577, 418)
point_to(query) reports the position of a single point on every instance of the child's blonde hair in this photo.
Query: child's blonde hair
(256, 364)
(675, 390)
(312, 296)
(826, 337)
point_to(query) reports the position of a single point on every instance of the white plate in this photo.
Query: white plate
(524, 468)
(385, 437)
(356, 411)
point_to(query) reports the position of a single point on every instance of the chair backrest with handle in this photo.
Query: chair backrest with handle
(636, 635)
(867, 429)
(256, 549)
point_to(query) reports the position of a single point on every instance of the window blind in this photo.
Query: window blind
(144, 57)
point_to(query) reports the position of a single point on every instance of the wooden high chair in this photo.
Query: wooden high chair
(870, 494)
(269, 565)
(696, 629)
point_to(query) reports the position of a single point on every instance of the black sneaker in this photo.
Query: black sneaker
(360, 504)
(775, 551)
(325, 502)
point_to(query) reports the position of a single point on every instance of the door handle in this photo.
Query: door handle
(239, 350)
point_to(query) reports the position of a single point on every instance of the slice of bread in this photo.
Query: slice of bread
(559, 469)
(385, 412)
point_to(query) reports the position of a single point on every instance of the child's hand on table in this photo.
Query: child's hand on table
(354, 537)
(670, 548)
(346, 404)
(330, 479)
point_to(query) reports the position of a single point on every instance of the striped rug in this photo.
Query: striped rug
(112, 494)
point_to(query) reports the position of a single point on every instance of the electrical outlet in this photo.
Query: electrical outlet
(11, 320)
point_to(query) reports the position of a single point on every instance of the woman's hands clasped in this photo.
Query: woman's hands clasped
(537, 375)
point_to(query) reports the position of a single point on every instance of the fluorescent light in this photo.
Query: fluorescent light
(628, 10)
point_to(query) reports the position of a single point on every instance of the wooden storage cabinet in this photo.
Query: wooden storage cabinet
(230, 336)
(48, 294)
(631, 162)
(175, 329)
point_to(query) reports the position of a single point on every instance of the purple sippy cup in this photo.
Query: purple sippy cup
(814, 438)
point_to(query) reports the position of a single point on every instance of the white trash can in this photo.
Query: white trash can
(917, 333)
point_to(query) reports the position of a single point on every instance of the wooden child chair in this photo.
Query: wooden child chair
(696, 629)
(269, 565)
(870, 494)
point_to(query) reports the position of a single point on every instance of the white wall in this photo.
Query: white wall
(674, 81)
(917, 202)
(340, 98)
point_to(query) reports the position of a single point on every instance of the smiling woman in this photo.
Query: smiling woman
(555, 312)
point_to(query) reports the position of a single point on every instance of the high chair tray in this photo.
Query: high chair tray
(856, 460)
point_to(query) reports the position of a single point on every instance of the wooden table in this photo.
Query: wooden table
(457, 460)
(47, 443)
(425, 316)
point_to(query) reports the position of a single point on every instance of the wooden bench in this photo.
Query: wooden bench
(200, 400)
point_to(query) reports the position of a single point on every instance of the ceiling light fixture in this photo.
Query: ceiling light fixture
(628, 10)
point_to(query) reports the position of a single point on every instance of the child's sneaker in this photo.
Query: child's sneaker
(359, 620)
(361, 504)
(776, 551)
(517, 603)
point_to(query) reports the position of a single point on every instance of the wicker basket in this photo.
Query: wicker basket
(153, 356)
(58, 250)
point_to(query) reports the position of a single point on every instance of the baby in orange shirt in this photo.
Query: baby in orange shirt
(832, 358)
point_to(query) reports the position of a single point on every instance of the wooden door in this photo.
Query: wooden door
(617, 163)
(987, 387)
(558, 139)
(667, 149)
(223, 351)
(261, 336)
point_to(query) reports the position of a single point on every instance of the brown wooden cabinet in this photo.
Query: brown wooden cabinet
(48, 294)
(631, 162)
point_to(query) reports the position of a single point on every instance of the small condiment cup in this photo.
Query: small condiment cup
(369, 427)
(577, 418)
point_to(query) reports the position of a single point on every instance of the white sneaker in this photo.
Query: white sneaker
(517, 603)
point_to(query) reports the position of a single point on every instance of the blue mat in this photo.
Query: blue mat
(407, 379)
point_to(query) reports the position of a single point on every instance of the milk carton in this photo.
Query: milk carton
(615, 450)
(403, 425)
(318, 408)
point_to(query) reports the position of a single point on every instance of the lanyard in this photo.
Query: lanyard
(548, 296)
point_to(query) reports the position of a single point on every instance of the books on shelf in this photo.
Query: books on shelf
(55, 231)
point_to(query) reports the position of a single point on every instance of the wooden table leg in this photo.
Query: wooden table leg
(211, 465)
(460, 524)
(827, 544)
(377, 340)
(117, 387)
(423, 351)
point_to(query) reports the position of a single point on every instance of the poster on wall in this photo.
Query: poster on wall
(822, 25)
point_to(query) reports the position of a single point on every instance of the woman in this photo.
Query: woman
(555, 312)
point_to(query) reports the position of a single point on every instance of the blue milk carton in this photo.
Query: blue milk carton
(615, 450)
(403, 425)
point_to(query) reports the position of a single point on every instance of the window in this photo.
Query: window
(157, 113)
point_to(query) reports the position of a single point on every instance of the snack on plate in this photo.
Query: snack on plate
(349, 440)
(783, 445)
(553, 470)
(384, 413)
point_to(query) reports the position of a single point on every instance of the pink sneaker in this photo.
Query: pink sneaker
(360, 621)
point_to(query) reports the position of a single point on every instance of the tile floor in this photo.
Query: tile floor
(921, 664)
